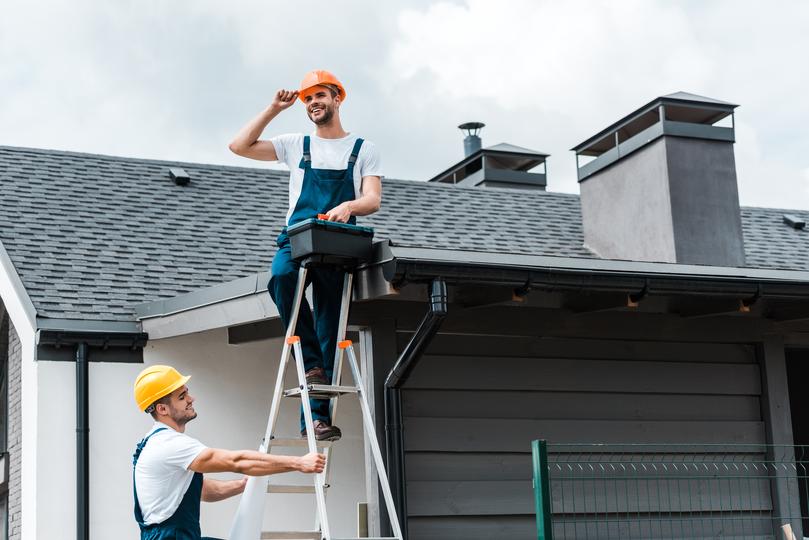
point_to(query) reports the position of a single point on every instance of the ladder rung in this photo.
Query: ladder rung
(321, 391)
(285, 488)
(298, 443)
(291, 535)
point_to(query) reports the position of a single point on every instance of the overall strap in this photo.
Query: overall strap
(307, 153)
(354, 153)
(135, 457)
(142, 444)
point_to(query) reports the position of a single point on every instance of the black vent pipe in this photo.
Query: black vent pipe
(393, 399)
(82, 444)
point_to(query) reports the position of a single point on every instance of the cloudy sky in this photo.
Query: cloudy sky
(175, 79)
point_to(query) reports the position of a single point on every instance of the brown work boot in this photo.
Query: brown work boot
(324, 432)
(316, 375)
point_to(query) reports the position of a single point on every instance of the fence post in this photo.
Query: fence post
(542, 490)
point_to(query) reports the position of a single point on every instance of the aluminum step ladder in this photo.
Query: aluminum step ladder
(304, 391)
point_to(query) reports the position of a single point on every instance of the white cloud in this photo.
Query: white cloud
(557, 72)
(175, 80)
(565, 56)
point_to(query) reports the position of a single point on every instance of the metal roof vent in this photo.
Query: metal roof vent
(502, 165)
(180, 177)
(472, 142)
(794, 221)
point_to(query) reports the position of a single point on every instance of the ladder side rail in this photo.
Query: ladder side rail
(337, 372)
(368, 423)
(279, 380)
(310, 438)
(332, 413)
(249, 523)
(342, 324)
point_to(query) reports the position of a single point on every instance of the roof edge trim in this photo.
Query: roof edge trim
(202, 297)
(404, 255)
(88, 326)
(14, 289)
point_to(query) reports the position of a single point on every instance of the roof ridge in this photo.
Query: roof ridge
(193, 164)
(774, 209)
(433, 185)
(154, 161)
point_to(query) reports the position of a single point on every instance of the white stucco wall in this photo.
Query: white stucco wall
(233, 387)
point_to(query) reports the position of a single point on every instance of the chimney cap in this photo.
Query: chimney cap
(516, 158)
(472, 126)
(680, 106)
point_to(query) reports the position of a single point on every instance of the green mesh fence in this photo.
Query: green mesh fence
(646, 491)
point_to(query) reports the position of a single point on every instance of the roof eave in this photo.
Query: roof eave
(16, 300)
(558, 273)
(406, 265)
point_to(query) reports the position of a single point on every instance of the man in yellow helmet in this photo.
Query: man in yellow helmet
(332, 172)
(168, 465)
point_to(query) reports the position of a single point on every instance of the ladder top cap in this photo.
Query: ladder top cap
(293, 339)
(345, 344)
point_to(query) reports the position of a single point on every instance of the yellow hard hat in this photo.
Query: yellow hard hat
(320, 77)
(155, 382)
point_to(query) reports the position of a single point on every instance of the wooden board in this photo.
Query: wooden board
(515, 435)
(614, 349)
(578, 405)
(508, 373)
(584, 496)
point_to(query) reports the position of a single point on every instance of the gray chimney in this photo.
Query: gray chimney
(499, 166)
(660, 185)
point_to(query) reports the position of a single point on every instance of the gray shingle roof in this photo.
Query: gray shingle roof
(92, 235)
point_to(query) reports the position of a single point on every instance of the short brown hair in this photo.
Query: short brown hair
(152, 409)
(333, 89)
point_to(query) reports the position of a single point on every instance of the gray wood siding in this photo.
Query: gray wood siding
(474, 404)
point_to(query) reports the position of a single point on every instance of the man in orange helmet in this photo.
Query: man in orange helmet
(168, 465)
(331, 172)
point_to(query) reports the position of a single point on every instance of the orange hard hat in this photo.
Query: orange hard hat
(320, 77)
(155, 382)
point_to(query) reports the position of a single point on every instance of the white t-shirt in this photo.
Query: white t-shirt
(326, 154)
(162, 476)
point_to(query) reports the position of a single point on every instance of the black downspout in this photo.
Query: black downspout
(82, 444)
(393, 399)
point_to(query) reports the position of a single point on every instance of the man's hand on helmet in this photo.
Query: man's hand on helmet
(284, 99)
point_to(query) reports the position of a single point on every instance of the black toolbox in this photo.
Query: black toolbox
(330, 242)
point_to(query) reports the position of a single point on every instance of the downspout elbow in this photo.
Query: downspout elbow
(437, 302)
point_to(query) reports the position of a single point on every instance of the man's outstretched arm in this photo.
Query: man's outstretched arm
(219, 490)
(252, 463)
(246, 142)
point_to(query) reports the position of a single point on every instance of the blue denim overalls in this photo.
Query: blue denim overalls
(322, 190)
(184, 523)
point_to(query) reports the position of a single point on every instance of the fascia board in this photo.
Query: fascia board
(223, 314)
(573, 264)
(223, 292)
(18, 304)
(83, 325)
